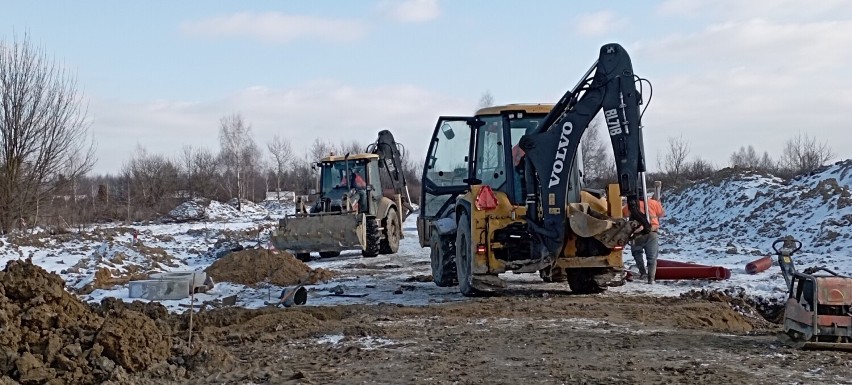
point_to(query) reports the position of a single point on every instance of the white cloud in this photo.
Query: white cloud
(747, 82)
(598, 23)
(411, 11)
(275, 27)
(320, 109)
(787, 10)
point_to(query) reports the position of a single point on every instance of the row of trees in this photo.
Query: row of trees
(151, 184)
(801, 154)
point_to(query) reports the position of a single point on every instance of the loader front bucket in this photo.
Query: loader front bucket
(321, 232)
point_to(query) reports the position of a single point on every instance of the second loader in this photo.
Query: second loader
(361, 204)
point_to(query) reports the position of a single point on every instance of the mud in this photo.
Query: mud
(255, 266)
(770, 310)
(525, 336)
(536, 338)
(48, 335)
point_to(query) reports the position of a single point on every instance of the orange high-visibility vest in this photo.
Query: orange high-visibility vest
(656, 213)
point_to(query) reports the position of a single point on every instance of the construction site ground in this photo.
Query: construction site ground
(396, 327)
(530, 336)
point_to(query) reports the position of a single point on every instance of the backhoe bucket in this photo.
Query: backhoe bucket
(320, 232)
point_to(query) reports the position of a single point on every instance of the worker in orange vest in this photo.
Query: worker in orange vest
(649, 243)
(355, 180)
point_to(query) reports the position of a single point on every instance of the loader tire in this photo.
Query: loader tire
(582, 282)
(390, 243)
(443, 261)
(304, 257)
(329, 254)
(464, 259)
(373, 239)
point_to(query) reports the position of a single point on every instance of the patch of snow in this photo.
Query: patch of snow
(331, 339)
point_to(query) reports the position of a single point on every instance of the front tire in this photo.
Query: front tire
(464, 257)
(390, 245)
(373, 239)
(443, 261)
(304, 257)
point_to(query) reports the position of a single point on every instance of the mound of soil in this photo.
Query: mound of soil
(253, 266)
(770, 310)
(48, 335)
(192, 210)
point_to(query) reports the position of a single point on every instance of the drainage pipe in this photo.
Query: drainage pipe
(695, 272)
(758, 265)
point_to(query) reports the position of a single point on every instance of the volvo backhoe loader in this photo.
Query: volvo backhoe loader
(502, 190)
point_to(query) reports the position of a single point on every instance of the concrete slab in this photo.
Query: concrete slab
(159, 289)
(200, 277)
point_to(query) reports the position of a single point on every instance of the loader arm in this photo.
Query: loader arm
(390, 155)
(550, 151)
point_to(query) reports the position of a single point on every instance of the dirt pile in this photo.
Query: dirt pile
(50, 336)
(769, 310)
(253, 266)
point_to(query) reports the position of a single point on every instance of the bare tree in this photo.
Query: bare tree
(698, 168)
(747, 158)
(675, 158)
(318, 150)
(598, 164)
(188, 165)
(237, 149)
(350, 147)
(486, 100)
(43, 129)
(205, 170)
(282, 155)
(153, 178)
(803, 154)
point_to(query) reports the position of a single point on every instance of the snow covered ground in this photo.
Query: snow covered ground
(727, 221)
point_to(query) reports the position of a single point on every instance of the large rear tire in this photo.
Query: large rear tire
(390, 245)
(304, 257)
(464, 257)
(373, 239)
(443, 261)
(581, 282)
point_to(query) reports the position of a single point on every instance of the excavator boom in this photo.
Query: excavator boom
(609, 86)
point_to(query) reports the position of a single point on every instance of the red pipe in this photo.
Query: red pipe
(758, 265)
(693, 272)
(670, 263)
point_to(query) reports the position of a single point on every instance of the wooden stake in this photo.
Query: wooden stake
(191, 311)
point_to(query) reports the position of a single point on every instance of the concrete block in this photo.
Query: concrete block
(160, 289)
(200, 277)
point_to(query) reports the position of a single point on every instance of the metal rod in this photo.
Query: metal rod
(645, 196)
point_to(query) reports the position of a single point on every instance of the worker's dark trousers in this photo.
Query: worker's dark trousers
(647, 244)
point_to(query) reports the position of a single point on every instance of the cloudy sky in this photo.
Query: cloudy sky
(160, 74)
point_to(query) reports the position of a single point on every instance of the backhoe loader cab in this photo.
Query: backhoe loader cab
(343, 178)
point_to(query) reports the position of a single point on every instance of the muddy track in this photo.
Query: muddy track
(511, 340)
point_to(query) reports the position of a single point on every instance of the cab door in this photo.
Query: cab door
(445, 172)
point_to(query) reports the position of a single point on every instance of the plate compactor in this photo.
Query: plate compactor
(818, 313)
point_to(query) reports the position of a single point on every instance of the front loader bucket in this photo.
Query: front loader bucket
(323, 232)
